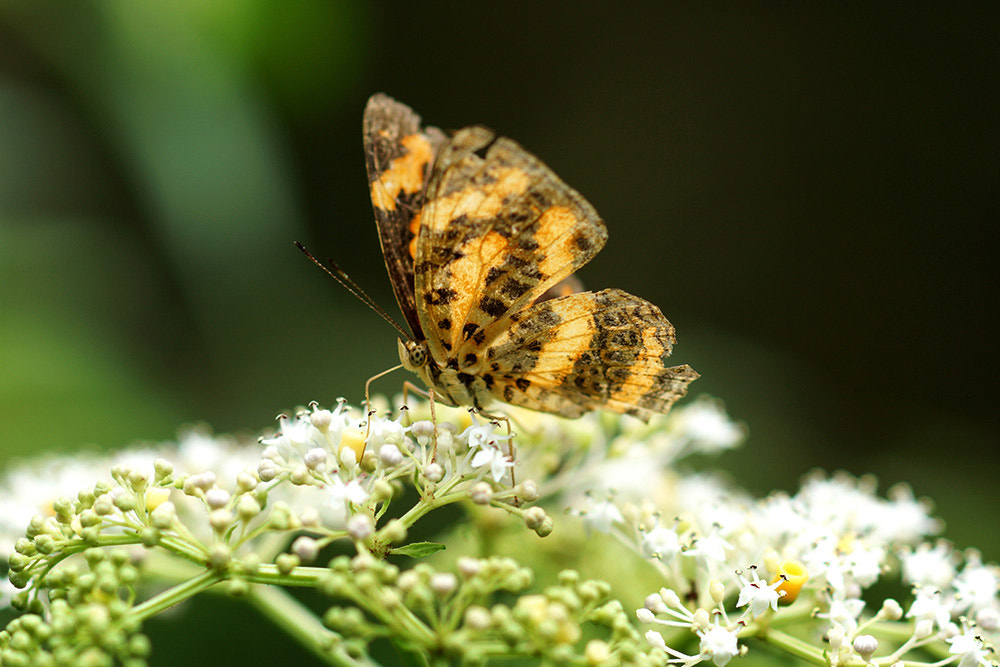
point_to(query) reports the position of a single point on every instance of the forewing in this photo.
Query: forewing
(399, 155)
(585, 351)
(497, 231)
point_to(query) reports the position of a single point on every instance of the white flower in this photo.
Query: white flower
(719, 644)
(929, 606)
(662, 543)
(706, 424)
(929, 565)
(865, 564)
(976, 586)
(714, 503)
(635, 474)
(339, 495)
(498, 462)
(483, 435)
(601, 516)
(844, 613)
(988, 619)
(970, 647)
(384, 431)
(905, 519)
(30, 488)
(294, 433)
(758, 594)
(709, 550)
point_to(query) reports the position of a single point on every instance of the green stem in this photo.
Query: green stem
(303, 625)
(423, 507)
(177, 594)
(795, 646)
(268, 573)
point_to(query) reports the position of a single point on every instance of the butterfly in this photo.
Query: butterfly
(481, 240)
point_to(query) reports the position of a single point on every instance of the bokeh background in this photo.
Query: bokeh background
(809, 192)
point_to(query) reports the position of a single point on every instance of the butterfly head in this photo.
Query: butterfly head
(412, 354)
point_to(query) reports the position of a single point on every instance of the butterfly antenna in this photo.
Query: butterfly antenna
(338, 274)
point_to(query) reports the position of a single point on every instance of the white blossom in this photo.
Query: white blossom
(719, 643)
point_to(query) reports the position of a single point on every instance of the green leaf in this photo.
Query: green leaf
(419, 549)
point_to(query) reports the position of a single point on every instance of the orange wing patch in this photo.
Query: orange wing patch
(586, 351)
(399, 154)
(405, 174)
(497, 232)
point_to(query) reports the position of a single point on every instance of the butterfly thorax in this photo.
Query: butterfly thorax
(451, 385)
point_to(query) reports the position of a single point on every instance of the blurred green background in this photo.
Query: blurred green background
(808, 192)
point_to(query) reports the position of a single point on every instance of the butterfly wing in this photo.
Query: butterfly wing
(498, 230)
(399, 155)
(585, 351)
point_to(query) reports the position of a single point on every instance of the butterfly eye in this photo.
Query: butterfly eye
(412, 354)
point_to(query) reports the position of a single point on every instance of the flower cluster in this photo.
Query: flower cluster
(727, 571)
(815, 553)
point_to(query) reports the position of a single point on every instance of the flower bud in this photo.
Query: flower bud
(469, 567)
(216, 498)
(163, 516)
(865, 646)
(443, 583)
(306, 548)
(434, 472)
(360, 527)
(481, 493)
(534, 517)
(321, 419)
(390, 456)
(220, 519)
(267, 470)
(478, 618)
(315, 459)
(527, 491)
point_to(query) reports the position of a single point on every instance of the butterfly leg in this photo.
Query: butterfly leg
(429, 395)
(368, 402)
(511, 452)
(419, 391)
(434, 434)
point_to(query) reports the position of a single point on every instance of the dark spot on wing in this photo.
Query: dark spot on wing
(513, 289)
(582, 242)
(441, 295)
(492, 306)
